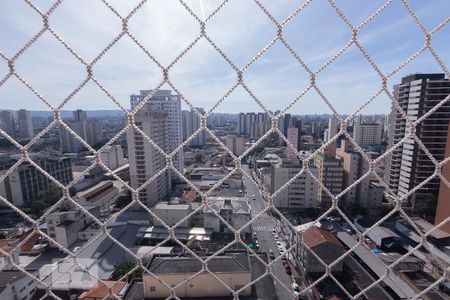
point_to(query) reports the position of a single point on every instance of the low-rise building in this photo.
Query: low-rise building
(233, 269)
(325, 245)
(16, 285)
(171, 214)
(101, 292)
(63, 226)
(102, 195)
(234, 210)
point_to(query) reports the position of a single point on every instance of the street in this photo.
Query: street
(263, 227)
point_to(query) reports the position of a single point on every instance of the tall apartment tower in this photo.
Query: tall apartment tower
(190, 124)
(443, 205)
(240, 127)
(333, 128)
(292, 136)
(160, 119)
(367, 133)
(24, 124)
(7, 122)
(164, 100)
(235, 144)
(330, 174)
(409, 165)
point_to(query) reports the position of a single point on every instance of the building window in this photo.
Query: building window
(152, 289)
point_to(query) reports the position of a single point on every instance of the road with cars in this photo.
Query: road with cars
(262, 228)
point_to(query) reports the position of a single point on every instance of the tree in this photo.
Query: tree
(45, 199)
(124, 267)
(123, 200)
(3, 235)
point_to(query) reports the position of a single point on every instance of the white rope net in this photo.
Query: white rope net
(90, 77)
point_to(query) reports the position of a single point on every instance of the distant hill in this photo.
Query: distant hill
(90, 113)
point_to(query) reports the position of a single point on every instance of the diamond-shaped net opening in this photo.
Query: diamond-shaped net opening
(172, 197)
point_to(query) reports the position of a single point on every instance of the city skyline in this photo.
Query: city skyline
(202, 75)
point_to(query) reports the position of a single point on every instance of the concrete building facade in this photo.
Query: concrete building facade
(409, 165)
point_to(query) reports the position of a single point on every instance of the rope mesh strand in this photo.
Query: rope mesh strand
(240, 81)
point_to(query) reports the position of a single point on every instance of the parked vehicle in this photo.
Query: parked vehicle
(271, 254)
(295, 289)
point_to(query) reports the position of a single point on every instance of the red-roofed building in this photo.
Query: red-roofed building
(325, 245)
(100, 291)
(8, 247)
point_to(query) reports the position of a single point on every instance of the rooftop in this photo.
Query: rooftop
(100, 291)
(315, 236)
(236, 263)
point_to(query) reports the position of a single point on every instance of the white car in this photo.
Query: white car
(295, 289)
(278, 243)
(281, 250)
(276, 238)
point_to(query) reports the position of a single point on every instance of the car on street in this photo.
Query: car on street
(278, 243)
(295, 289)
(281, 250)
(276, 238)
(274, 231)
(288, 269)
(271, 254)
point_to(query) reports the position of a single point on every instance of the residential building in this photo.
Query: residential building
(333, 128)
(299, 194)
(367, 133)
(368, 193)
(234, 210)
(235, 144)
(330, 174)
(144, 159)
(16, 284)
(292, 136)
(443, 205)
(7, 122)
(8, 247)
(234, 269)
(191, 123)
(170, 104)
(24, 124)
(240, 127)
(24, 184)
(112, 157)
(90, 131)
(409, 165)
(325, 245)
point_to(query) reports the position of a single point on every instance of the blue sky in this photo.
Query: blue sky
(240, 29)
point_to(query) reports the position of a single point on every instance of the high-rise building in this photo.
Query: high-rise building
(25, 183)
(90, 131)
(7, 122)
(367, 133)
(292, 136)
(333, 128)
(164, 100)
(409, 165)
(240, 128)
(190, 124)
(235, 144)
(79, 115)
(144, 159)
(160, 119)
(330, 174)
(443, 203)
(24, 124)
(301, 193)
(112, 156)
(354, 167)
